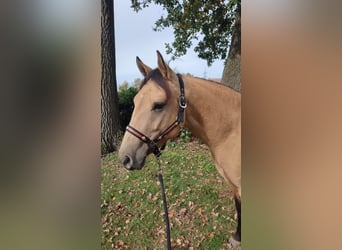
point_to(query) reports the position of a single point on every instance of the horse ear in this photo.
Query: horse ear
(163, 67)
(144, 69)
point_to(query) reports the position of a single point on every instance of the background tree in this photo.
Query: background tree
(109, 98)
(137, 82)
(214, 24)
(231, 72)
(126, 105)
(123, 86)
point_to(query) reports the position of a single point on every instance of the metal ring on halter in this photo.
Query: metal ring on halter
(182, 102)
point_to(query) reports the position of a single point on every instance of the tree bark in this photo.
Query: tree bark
(231, 72)
(109, 97)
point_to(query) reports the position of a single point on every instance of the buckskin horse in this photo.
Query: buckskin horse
(166, 102)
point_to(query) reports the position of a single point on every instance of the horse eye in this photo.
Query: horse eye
(158, 106)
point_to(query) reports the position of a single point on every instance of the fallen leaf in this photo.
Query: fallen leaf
(182, 211)
(171, 213)
(155, 197)
(191, 205)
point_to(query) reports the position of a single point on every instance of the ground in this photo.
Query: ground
(201, 207)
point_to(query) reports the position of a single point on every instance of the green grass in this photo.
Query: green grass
(201, 208)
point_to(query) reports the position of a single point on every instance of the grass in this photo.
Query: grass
(201, 208)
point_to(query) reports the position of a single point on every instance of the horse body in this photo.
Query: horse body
(213, 114)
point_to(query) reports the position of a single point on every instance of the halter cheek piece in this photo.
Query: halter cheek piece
(152, 143)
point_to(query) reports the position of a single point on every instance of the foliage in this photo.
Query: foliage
(126, 105)
(185, 135)
(209, 22)
(124, 86)
(137, 82)
(201, 208)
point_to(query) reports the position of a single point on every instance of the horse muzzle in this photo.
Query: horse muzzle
(127, 162)
(132, 164)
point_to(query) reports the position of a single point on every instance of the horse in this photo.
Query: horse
(166, 102)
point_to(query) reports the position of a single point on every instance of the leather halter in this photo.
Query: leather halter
(152, 143)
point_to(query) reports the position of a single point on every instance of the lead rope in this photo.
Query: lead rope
(166, 213)
(152, 144)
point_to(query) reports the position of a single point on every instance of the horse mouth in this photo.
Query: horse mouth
(141, 165)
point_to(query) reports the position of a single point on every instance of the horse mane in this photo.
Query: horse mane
(156, 76)
(219, 83)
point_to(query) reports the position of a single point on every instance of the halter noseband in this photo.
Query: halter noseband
(152, 143)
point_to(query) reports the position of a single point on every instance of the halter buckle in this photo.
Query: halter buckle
(182, 102)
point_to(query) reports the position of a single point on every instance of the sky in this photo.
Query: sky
(134, 36)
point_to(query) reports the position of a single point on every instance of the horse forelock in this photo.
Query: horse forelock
(157, 77)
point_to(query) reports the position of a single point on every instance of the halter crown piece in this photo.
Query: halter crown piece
(152, 143)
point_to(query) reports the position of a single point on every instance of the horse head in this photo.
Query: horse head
(156, 106)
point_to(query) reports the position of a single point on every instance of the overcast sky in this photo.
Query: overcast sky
(134, 37)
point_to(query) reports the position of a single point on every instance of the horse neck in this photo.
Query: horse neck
(213, 110)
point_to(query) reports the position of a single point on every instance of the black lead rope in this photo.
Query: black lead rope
(166, 213)
(152, 144)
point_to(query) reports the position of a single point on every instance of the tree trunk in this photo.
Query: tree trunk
(231, 72)
(109, 97)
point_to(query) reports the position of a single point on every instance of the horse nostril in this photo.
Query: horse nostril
(127, 162)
